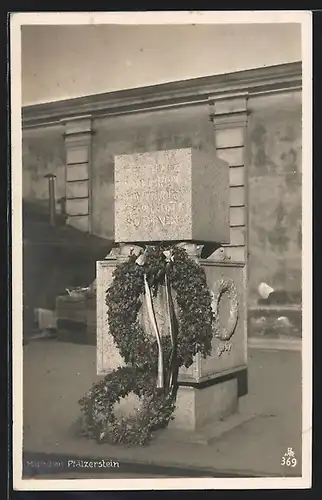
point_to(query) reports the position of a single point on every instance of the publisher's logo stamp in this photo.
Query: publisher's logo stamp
(289, 458)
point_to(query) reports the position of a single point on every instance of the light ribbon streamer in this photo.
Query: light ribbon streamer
(170, 309)
(160, 379)
(172, 332)
(169, 258)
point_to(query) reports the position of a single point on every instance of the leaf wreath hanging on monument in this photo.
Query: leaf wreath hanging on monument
(160, 266)
(154, 360)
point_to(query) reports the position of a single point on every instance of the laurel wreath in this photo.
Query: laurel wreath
(192, 325)
(192, 296)
(225, 286)
(97, 405)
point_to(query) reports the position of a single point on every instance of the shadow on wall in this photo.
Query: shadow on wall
(55, 258)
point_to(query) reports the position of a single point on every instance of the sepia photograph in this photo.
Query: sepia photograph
(161, 250)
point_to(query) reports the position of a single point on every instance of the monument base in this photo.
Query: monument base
(204, 414)
(196, 407)
(209, 390)
(205, 435)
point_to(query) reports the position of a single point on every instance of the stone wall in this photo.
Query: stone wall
(265, 172)
(274, 192)
(273, 144)
(43, 152)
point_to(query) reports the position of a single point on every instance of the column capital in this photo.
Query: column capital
(78, 129)
(231, 120)
(229, 111)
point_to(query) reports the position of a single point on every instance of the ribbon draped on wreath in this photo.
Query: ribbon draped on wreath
(152, 361)
(172, 320)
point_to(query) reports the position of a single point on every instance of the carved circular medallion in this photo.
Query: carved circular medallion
(225, 286)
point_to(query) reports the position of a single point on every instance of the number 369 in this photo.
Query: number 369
(290, 462)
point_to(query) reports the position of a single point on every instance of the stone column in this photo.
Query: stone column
(229, 117)
(78, 172)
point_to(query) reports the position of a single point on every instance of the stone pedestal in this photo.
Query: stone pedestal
(209, 389)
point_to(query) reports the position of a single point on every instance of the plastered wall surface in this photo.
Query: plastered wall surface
(274, 184)
(43, 152)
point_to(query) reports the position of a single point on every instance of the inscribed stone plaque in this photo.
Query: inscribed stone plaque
(178, 194)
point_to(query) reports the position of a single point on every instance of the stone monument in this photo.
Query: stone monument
(173, 195)
(181, 196)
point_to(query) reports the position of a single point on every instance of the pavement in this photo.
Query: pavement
(56, 374)
(285, 344)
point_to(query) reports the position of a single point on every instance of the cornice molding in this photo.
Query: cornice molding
(174, 94)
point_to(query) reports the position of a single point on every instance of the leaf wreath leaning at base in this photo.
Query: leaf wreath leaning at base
(191, 332)
(99, 420)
